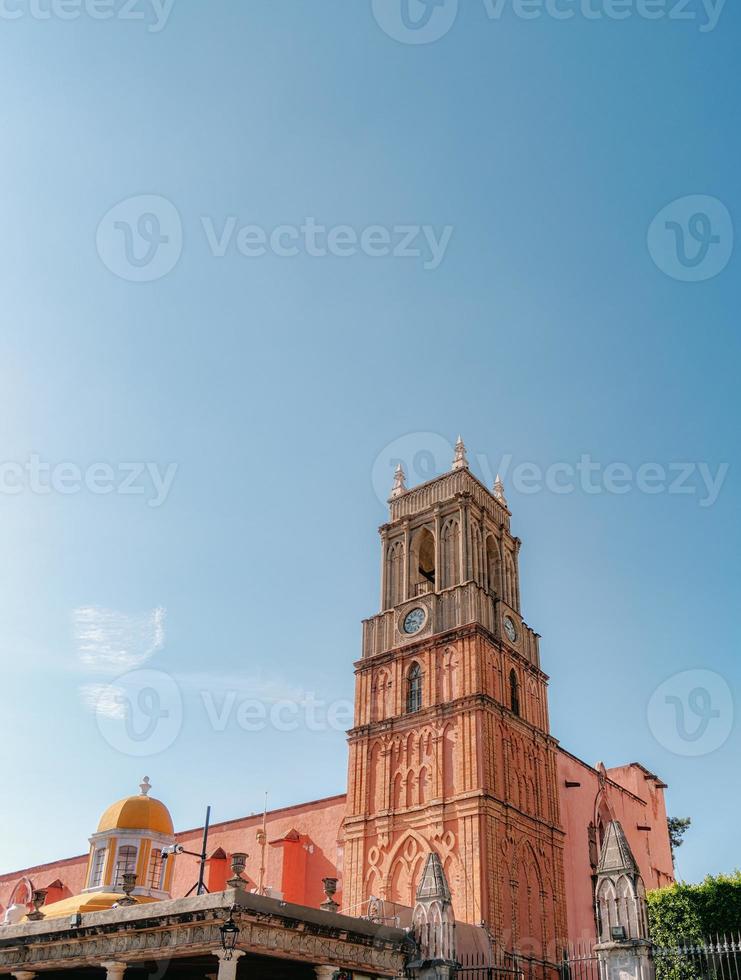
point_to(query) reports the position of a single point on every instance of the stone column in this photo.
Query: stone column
(325, 972)
(114, 970)
(627, 960)
(227, 967)
(407, 561)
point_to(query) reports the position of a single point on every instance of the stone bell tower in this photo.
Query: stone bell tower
(450, 751)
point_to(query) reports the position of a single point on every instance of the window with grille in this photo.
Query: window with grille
(125, 863)
(96, 872)
(156, 870)
(514, 693)
(414, 689)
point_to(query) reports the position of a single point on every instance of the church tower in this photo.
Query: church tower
(450, 751)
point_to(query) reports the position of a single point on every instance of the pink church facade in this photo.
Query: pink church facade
(451, 753)
(305, 845)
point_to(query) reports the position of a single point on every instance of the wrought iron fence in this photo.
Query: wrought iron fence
(713, 959)
(710, 959)
(580, 962)
(507, 966)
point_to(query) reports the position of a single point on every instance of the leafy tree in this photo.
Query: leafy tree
(691, 913)
(678, 827)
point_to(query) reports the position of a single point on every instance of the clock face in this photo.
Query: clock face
(510, 629)
(414, 621)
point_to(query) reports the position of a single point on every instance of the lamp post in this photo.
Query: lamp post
(229, 935)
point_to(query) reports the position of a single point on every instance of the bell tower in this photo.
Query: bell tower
(450, 751)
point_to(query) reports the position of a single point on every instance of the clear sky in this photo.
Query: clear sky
(259, 401)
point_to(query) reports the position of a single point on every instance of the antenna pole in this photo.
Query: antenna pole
(262, 840)
(204, 852)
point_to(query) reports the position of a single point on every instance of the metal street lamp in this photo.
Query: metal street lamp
(229, 935)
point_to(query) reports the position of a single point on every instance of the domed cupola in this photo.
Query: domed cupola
(130, 839)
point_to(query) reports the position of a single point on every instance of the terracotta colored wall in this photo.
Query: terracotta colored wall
(294, 867)
(71, 872)
(629, 796)
(297, 862)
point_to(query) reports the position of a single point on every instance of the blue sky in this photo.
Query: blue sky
(268, 394)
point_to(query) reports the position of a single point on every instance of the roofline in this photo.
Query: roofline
(63, 862)
(258, 816)
(612, 782)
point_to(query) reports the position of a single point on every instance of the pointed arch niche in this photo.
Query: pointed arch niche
(423, 572)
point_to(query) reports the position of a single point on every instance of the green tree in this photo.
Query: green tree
(695, 912)
(678, 827)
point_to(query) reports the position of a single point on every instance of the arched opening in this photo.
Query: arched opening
(492, 565)
(414, 689)
(514, 692)
(423, 562)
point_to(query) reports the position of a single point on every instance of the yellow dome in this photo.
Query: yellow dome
(138, 813)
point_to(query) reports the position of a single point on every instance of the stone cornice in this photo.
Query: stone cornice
(187, 927)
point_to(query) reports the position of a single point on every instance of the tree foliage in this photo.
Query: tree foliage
(678, 827)
(691, 913)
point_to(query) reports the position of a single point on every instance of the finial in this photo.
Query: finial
(460, 462)
(499, 490)
(400, 485)
(145, 786)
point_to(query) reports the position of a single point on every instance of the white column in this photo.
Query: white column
(325, 972)
(227, 967)
(114, 970)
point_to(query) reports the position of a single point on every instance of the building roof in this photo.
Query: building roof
(138, 813)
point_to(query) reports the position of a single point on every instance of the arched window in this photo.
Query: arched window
(96, 870)
(414, 689)
(514, 692)
(156, 870)
(423, 562)
(125, 864)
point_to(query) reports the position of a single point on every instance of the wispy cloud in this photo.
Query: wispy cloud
(104, 699)
(112, 642)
